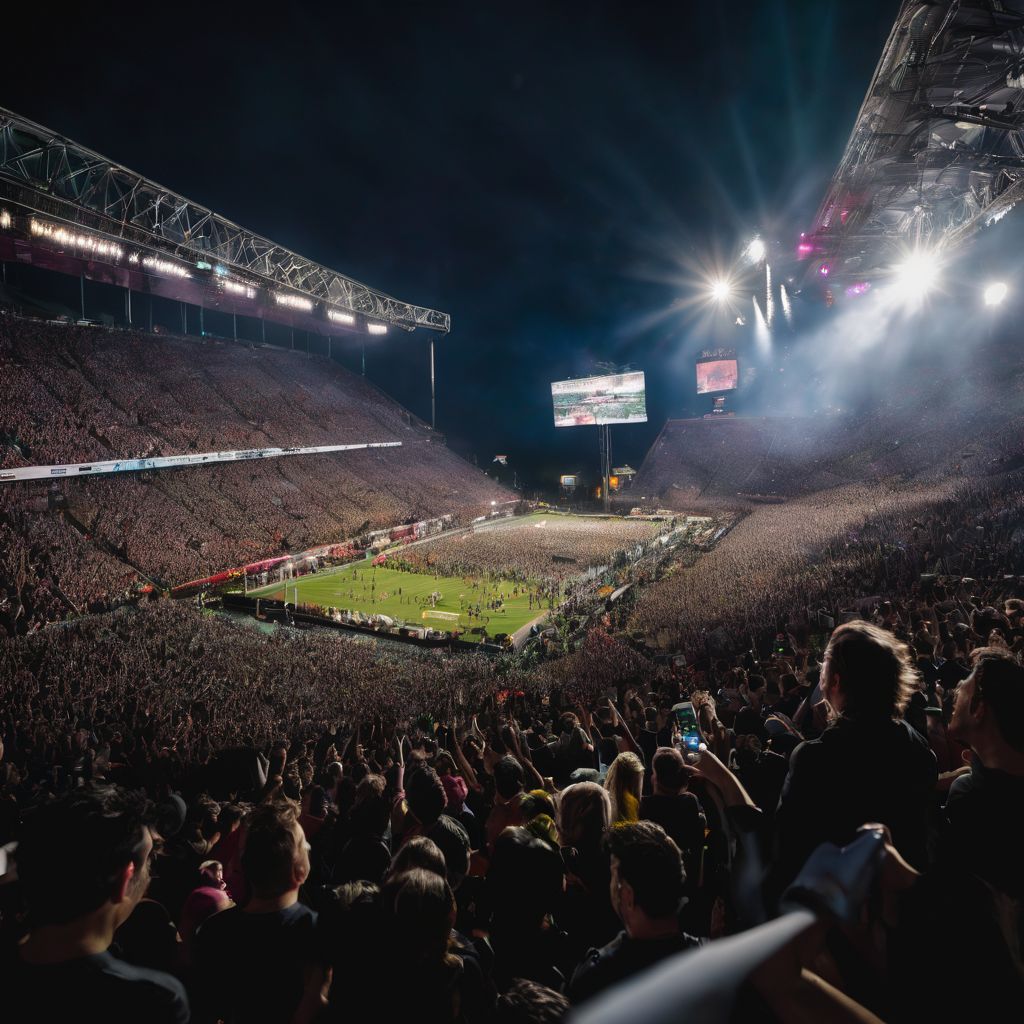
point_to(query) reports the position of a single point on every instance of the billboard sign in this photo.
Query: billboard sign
(600, 401)
(717, 375)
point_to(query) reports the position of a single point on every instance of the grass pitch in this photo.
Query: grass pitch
(378, 590)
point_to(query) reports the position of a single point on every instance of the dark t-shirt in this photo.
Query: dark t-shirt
(620, 959)
(679, 816)
(99, 987)
(250, 967)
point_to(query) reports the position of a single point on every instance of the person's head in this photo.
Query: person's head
(668, 769)
(647, 876)
(508, 777)
(419, 910)
(526, 1002)
(584, 812)
(211, 873)
(275, 860)
(525, 878)
(452, 839)
(425, 794)
(444, 764)
(867, 672)
(229, 819)
(624, 782)
(567, 721)
(988, 709)
(84, 854)
(537, 801)
(418, 852)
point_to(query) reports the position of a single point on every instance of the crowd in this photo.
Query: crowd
(541, 547)
(75, 394)
(821, 557)
(277, 827)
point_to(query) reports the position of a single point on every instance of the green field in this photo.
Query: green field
(404, 596)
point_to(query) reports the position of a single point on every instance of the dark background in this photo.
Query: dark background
(559, 177)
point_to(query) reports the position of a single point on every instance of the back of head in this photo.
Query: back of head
(452, 839)
(624, 781)
(73, 850)
(418, 906)
(999, 681)
(425, 794)
(584, 812)
(873, 670)
(508, 777)
(652, 865)
(669, 769)
(273, 848)
(418, 852)
(526, 1002)
(524, 879)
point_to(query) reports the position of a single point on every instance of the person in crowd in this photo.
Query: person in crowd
(209, 897)
(868, 765)
(647, 878)
(526, 1002)
(525, 881)
(676, 810)
(508, 795)
(83, 864)
(587, 915)
(439, 983)
(624, 783)
(254, 962)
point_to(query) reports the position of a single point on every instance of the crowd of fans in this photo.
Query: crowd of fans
(541, 547)
(75, 394)
(278, 827)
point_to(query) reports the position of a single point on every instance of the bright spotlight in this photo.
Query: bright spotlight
(721, 290)
(916, 276)
(995, 293)
(756, 250)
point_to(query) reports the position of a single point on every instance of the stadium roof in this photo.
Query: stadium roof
(52, 175)
(937, 150)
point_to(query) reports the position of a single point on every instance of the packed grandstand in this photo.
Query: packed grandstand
(751, 746)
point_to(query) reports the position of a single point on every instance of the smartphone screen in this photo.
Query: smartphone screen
(686, 719)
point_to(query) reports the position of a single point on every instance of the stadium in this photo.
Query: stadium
(332, 703)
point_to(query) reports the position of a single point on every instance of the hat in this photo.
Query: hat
(170, 816)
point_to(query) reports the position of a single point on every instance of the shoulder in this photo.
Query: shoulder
(157, 995)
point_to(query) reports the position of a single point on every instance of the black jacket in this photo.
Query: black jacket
(857, 771)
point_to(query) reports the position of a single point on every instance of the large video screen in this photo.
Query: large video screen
(717, 375)
(600, 401)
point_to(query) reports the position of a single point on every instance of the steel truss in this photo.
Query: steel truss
(52, 175)
(937, 150)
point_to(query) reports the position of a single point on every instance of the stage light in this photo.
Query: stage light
(916, 276)
(721, 290)
(995, 293)
(340, 318)
(377, 328)
(756, 250)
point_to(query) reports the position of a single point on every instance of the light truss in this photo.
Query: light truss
(937, 150)
(49, 174)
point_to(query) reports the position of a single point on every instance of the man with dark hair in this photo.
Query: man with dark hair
(646, 889)
(971, 901)
(675, 810)
(252, 961)
(508, 794)
(985, 809)
(84, 864)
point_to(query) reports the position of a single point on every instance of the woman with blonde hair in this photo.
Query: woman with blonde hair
(624, 782)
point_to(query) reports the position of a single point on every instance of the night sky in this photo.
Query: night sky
(555, 176)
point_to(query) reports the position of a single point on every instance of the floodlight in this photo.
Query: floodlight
(917, 275)
(756, 250)
(721, 289)
(995, 293)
